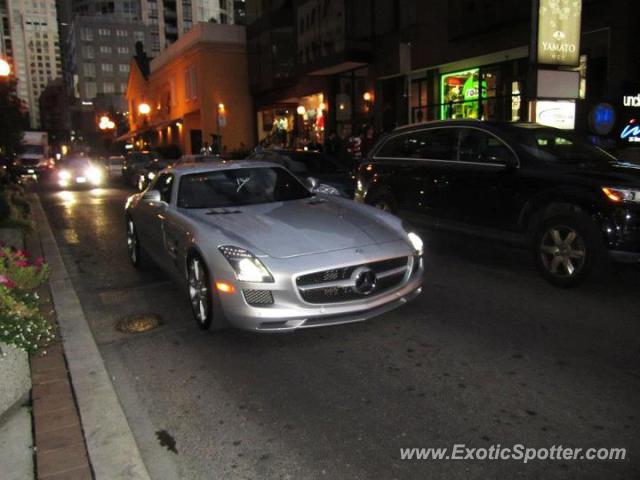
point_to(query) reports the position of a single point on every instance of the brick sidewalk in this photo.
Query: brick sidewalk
(60, 448)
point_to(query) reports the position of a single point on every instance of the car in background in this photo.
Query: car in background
(572, 203)
(257, 250)
(134, 162)
(113, 166)
(150, 170)
(78, 171)
(318, 170)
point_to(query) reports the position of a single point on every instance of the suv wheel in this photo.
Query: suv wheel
(566, 248)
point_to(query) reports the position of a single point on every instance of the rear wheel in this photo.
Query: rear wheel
(566, 248)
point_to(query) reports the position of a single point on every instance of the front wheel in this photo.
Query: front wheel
(200, 292)
(134, 250)
(566, 248)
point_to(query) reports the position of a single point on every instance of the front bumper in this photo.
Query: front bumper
(621, 231)
(290, 312)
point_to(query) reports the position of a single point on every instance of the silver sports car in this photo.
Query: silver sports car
(259, 251)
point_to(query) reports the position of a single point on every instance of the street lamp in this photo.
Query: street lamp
(144, 108)
(106, 123)
(5, 68)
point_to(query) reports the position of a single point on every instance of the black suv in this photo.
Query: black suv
(570, 201)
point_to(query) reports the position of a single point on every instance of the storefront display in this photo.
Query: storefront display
(460, 92)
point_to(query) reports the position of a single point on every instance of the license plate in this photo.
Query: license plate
(81, 179)
(31, 170)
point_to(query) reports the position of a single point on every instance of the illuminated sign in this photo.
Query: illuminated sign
(557, 114)
(630, 101)
(631, 133)
(602, 118)
(559, 32)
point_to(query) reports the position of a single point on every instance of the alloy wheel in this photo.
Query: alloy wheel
(198, 291)
(132, 242)
(563, 252)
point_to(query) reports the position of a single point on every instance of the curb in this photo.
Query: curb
(113, 452)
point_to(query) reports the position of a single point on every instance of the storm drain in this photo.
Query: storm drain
(138, 323)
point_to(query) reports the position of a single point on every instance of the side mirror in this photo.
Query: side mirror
(152, 196)
(312, 183)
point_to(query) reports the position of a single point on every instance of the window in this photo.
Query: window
(123, 50)
(432, 144)
(86, 34)
(90, 89)
(104, 32)
(191, 83)
(481, 147)
(138, 36)
(224, 19)
(122, 33)
(89, 69)
(106, 67)
(105, 49)
(108, 87)
(123, 68)
(223, 4)
(87, 51)
(163, 184)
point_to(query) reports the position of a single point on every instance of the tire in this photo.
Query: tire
(567, 249)
(134, 249)
(383, 201)
(201, 295)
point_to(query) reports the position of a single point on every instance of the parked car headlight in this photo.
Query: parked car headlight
(248, 268)
(94, 175)
(619, 195)
(64, 175)
(326, 189)
(414, 239)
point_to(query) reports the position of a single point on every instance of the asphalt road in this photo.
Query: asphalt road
(488, 354)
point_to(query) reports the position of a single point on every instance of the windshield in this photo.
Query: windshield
(32, 150)
(75, 163)
(143, 157)
(302, 163)
(237, 187)
(553, 146)
(200, 159)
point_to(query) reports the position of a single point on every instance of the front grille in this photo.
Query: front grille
(337, 285)
(258, 297)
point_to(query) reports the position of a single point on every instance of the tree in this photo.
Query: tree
(12, 120)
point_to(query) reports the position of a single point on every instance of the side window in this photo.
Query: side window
(481, 147)
(164, 184)
(432, 144)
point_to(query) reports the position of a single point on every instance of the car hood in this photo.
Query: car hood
(299, 227)
(614, 174)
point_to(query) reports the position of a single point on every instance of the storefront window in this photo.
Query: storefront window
(460, 93)
(312, 111)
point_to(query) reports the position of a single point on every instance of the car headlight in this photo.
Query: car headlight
(94, 175)
(326, 189)
(64, 175)
(414, 239)
(619, 195)
(248, 268)
(151, 175)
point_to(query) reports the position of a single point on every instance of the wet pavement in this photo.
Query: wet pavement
(488, 354)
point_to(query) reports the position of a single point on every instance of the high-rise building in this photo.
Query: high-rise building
(30, 40)
(170, 19)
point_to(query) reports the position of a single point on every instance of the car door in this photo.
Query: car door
(151, 218)
(482, 182)
(418, 174)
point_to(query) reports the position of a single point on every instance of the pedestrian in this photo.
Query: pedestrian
(368, 140)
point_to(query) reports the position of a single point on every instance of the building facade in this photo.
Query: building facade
(99, 50)
(30, 41)
(195, 92)
(393, 63)
(170, 19)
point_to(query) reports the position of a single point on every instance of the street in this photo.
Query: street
(488, 354)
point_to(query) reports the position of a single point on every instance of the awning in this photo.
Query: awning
(149, 128)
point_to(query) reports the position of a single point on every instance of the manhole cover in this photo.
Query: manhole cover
(138, 323)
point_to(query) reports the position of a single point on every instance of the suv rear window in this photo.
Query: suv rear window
(433, 144)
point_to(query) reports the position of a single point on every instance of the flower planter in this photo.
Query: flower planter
(15, 374)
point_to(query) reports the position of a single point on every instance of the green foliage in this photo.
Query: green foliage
(12, 120)
(15, 210)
